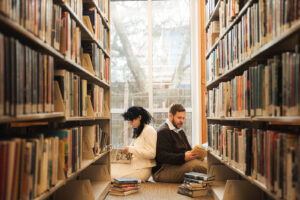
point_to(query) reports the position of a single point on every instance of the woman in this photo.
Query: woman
(142, 147)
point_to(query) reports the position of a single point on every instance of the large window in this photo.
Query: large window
(149, 70)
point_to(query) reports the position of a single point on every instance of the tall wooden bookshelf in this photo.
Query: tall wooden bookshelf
(253, 97)
(55, 99)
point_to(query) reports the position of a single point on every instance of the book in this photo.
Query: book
(200, 151)
(124, 189)
(125, 193)
(199, 176)
(126, 185)
(122, 181)
(192, 193)
(117, 156)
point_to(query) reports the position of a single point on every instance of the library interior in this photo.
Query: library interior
(149, 99)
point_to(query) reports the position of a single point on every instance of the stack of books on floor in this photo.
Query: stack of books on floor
(195, 184)
(125, 186)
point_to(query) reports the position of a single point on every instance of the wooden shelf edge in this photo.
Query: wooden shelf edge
(293, 29)
(241, 13)
(100, 189)
(282, 120)
(219, 79)
(216, 10)
(31, 117)
(71, 119)
(218, 190)
(63, 182)
(290, 31)
(248, 178)
(84, 73)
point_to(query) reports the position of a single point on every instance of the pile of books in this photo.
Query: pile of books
(125, 186)
(195, 184)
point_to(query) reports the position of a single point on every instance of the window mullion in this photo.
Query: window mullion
(150, 57)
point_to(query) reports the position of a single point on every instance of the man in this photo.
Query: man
(173, 154)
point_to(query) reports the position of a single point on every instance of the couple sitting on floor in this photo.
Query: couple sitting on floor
(166, 154)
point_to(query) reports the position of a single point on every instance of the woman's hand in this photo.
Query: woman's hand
(125, 150)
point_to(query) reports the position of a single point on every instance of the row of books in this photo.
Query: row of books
(75, 92)
(70, 42)
(268, 156)
(125, 186)
(76, 6)
(228, 11)
(93, 21)
(195, 184)
(100, 63)
(47, 21)
(31, 166)
(35, 16)
(261, 23)
(270, 89)
(26, 79)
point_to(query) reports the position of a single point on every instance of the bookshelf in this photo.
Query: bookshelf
(253, 124)
(32, 125)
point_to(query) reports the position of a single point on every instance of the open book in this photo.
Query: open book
(117, 156)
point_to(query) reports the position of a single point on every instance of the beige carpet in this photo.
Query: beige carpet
(156, 191)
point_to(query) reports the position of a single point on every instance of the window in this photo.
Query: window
(151, 74)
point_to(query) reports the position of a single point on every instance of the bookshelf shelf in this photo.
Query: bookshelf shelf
(27, 37)
(241, 13)
(72, 119)
(94, 4)
(45, 195)
(214, 15)
(60, 183)
(283, 119)
(82, 72)
(262, 51)
(250, 179)
(218, 189)
(228, 74)
(100, 189)
(32, 117)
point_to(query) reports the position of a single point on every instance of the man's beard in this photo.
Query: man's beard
(174, 124)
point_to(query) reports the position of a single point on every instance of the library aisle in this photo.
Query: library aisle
(157, 191)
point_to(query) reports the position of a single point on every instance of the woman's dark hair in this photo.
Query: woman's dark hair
(134, 112)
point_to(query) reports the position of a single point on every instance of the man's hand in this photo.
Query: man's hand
(125, 150)
(190, 156)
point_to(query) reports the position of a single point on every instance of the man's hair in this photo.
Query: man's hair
(176, 108)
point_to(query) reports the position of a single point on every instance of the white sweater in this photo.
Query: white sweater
(143, 149)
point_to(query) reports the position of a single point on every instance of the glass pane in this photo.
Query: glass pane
(129, 53)
(171, 53)
(129, 63)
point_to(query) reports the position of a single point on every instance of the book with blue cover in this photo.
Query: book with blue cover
(126, 180)
(199, 176)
